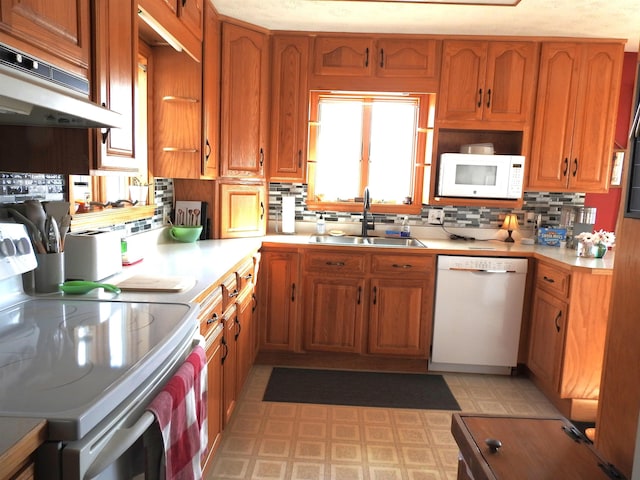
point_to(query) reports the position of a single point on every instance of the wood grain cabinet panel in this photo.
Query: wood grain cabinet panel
(290, 63)
(400, 57)
(487, 81)
(34, 26)
(245, 80)
(576, 111)
(211, 93)
(346, 56)
(242, 209)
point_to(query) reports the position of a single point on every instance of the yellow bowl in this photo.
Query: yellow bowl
(185, 234)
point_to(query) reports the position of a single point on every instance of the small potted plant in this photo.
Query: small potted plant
(594, 244)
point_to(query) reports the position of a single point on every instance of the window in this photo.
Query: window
(375, 140)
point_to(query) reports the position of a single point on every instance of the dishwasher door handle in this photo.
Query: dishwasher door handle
(480, 270)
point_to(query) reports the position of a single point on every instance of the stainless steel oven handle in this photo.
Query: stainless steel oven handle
(119, 443)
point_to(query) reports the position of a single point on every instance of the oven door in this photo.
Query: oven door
(474, 176)
(126, 444)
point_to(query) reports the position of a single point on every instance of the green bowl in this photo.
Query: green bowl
(186, 234)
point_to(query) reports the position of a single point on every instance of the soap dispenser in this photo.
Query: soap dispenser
(406, 229)
(320, 225)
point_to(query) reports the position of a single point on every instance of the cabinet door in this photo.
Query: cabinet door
(343, 56)
(279, 297)
(406, 58)
(289, 109)
(511, 75)
(596, 111)
(177, 116)
(243, 210)
(463, 74)
(191, 14)
(334, 312)
(245, 342)
(548, 322)
(398, 317)
(211, 93)
(229, 364)
(245, 65)
(116, 72)
(214, 352)
(55, 31)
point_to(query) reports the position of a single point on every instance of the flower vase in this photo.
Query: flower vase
(585, 249)
(599, 250)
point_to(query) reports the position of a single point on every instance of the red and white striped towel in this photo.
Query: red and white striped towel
(181, 411)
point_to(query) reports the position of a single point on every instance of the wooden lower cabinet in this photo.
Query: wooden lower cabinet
(214, 352)
(333, 313)
(279, 299)
(567, 337)
(245, 343)
(229, 362)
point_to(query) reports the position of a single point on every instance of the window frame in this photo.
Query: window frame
(422, 160)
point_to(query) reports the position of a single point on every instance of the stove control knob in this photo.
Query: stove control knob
(23, 246)
(7, 248)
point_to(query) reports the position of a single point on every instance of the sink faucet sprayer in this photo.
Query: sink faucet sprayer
(366, 205)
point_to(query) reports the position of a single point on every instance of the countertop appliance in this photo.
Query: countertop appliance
(88, 366)
(92, 255)
(478, 313)
(480, 176)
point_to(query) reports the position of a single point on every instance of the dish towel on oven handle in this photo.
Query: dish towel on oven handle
(181, 412)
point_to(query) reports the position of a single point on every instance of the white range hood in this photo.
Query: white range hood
(34, 93)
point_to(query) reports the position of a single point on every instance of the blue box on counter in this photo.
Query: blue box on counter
(551, 236)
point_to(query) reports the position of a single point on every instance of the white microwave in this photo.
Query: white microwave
(471, 175)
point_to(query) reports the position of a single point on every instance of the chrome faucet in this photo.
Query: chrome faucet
(366, 205)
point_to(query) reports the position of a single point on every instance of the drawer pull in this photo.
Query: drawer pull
(375, 295)
(293, 292)
(213, 318)
(406, 265)
(556, 321)
(336, 264)
(248, 276)
(548, 279)
(235, 293)
(494, 444)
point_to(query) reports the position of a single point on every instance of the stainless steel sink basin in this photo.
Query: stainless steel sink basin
(364, 241)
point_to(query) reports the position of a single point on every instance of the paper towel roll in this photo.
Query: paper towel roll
(289, 214)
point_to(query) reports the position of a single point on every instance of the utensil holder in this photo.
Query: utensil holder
(49, 273)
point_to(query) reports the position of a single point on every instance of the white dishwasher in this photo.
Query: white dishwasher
(478, 313)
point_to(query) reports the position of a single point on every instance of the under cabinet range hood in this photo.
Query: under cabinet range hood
(37, 94)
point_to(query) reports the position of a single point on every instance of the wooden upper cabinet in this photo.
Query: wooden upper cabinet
(289, 112)
(192, 15)
(244, 110)
(488, 81)
(380, 57)
(242, 209)
(211, 93)
(177, 115)
(55, 31)
(115, 79)
(575, 116)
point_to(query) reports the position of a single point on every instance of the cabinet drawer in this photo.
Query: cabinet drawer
(347, 263)
(211, 314)
(553, 280)
(245, 274)
(406, 265)
(229, 291)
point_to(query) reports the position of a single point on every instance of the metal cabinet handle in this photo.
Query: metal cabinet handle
(382, 58)
(366, 57)
(248, 276)
(255, 302)
(479, 98)
(261, 157)
(208, 154)
(213, 318)
(335, 264)
(566, 166)
(293, 292)
(184, 2)
(238, 330)
(261, 210)
(489, 98)
(359, 295)
(375, 295)
(235, 293)
(548, 279)
(556, 321)
(225, 348)
(406, 265)
(179, 150)
(300, 158)
(575, 166)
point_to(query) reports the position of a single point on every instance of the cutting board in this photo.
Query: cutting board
(151, 283)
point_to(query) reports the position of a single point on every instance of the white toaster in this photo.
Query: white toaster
(92, 255)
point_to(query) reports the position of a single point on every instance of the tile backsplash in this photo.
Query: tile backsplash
(547, 204)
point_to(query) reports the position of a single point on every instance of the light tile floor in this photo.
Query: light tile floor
(293, 441)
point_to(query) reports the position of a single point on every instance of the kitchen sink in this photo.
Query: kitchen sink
(364, 241)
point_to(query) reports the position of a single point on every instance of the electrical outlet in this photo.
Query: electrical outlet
(436, 216)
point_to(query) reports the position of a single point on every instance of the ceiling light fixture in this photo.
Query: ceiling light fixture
(485, 3)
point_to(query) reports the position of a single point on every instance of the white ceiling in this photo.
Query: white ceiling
(573, 18)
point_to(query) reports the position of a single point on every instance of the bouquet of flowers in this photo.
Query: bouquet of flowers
(601, 237)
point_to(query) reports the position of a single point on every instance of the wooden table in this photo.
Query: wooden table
(532, 449)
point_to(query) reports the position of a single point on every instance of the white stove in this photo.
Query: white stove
(85, 365)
